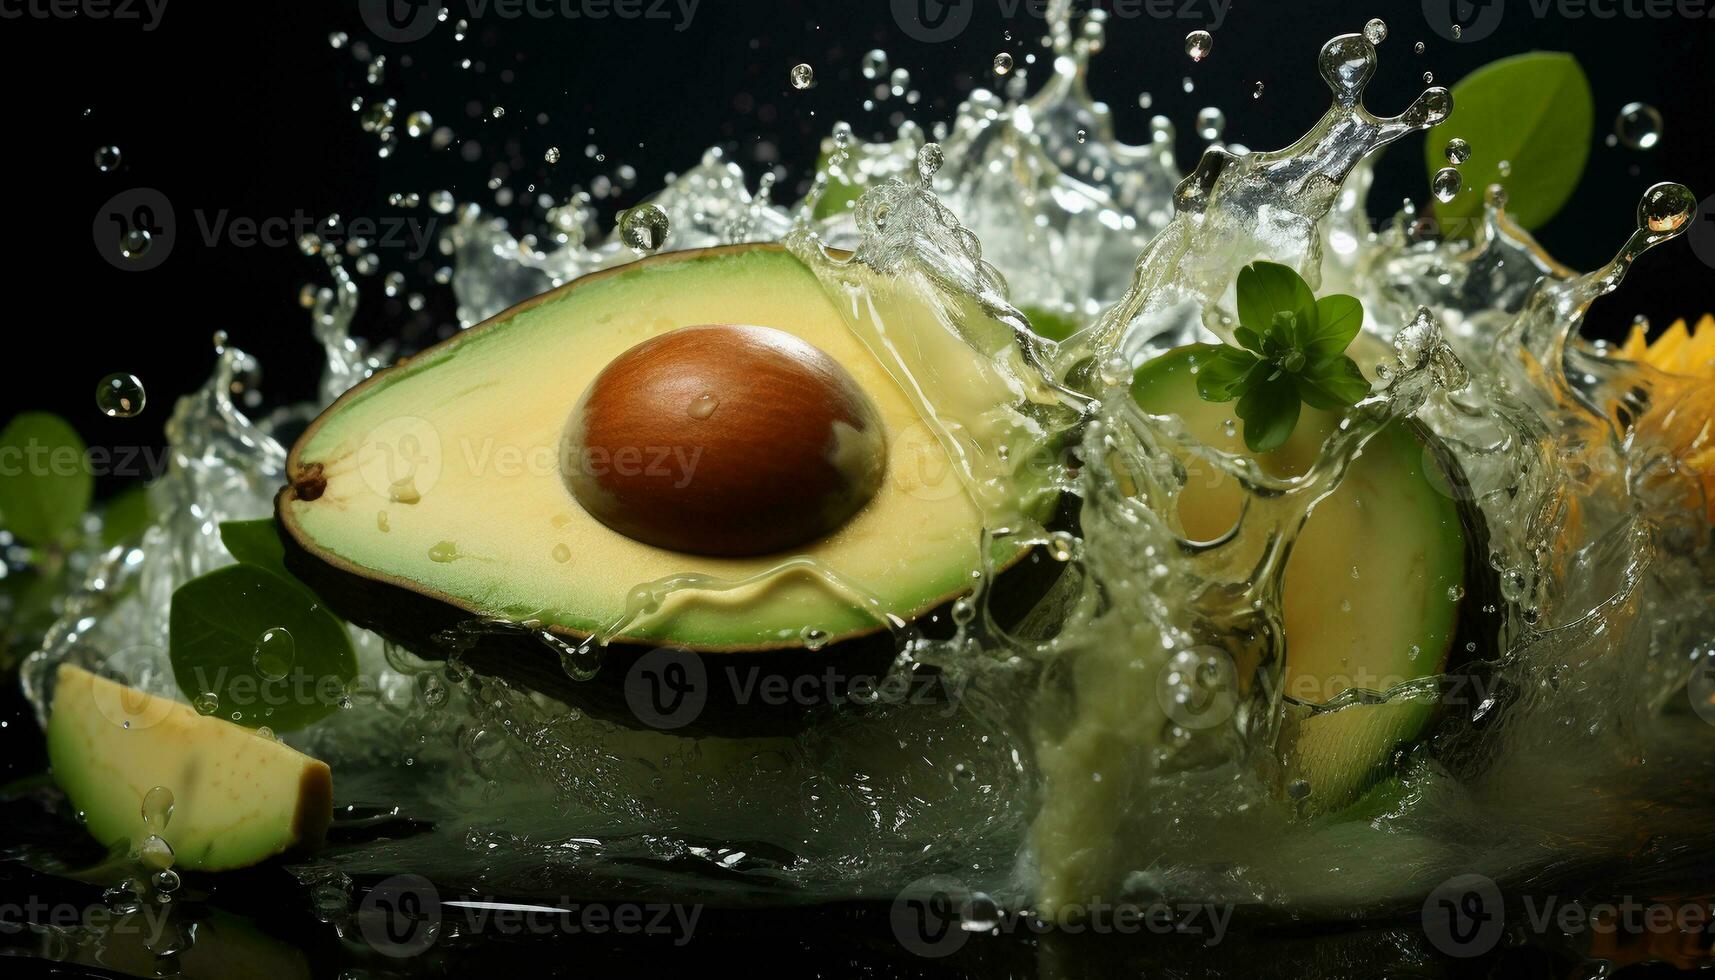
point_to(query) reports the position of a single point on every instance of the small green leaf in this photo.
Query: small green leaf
(1270, 413)
(1267, 288)
(1338, 384)
(217, 625)
(255, 543)
(1225, 373)
(1338, 320)
(126, 516)
(1048, 323)
(1248, 339)
(1534, 112)
(45, 482)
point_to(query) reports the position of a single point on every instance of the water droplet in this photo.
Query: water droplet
(275, 654)
(562, 553)
(487, 744)
(1429, 78)
(1458, 151)
(814, 639)
(1666, 207)
(207, 703)
(337, 40)
(155, 852)
(552, 155)
(703, 406)
(166, 881)
(377, 70)
(1458, 32)
(643, 228)
(1638, 126)
(1375, 30)
(135, 243)
(1083, 136)
(263, 731)
(120, 396)
(379, 116)
(1446, 184)
(929, 160)
(1062, 546)
(393, 283)
(1256, 93)
(1505, 168)
(803, 76)
(443, 552)
(874, 64)
(432, 688)
(1418, 48)
(1187, 85)
(1211, 122)
(1145, 100)
(441, 202)
(1002, 63)
(157, 808)
(1199, 44)
(418, 123)
(107, 158)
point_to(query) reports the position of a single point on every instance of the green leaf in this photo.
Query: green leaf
(217, 628)
(126, 517)
(1248, 339)
(45, 482)
(1047, 323)
(1225, 373)
(1338, 320)
(1533, 111)
(1339, 384)
(1270, 412)
(255, 543)
(1267, 288)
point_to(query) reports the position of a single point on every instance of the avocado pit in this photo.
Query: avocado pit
(724, 440)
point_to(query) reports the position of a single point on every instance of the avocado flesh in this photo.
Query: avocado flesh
(238, 797)
(1373, 588)
(487, 525)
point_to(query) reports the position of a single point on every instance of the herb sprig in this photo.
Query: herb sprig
(1293, 354)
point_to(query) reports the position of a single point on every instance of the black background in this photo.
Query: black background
(246, 108)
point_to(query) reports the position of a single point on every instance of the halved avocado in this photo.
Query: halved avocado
(448, 489)
(237, 797)
(1386, 583)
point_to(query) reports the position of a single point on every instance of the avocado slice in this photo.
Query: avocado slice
(1384, 586)
(444, 489)
(238, 798)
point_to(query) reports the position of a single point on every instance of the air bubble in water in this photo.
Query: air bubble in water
(393, 283)
(1198, 44)
(418, 123)
(1375, 30)
(1458, 151)
(107, 158)
(337, 40)
(643, 228)
(1638, 126)
(379, 116)
(803, 76)
(552, 155)
(1446, 184)
(1002, 63)
(120, 396)
(874, 64)
(274, 654)
(1211, 122)
(441, 202)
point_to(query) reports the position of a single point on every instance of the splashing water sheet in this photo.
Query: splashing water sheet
(1131, 737)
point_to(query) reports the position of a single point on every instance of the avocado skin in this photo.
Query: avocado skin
(414, 621)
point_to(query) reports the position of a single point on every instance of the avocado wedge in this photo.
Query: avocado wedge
(706, 416)
(1386, 584)
(238, 798)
